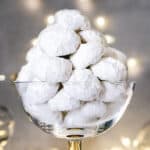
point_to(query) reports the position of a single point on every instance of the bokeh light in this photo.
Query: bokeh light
(54, 148)
(126, 142)
(50, 19)
(34, 41)
(85, 5)
(110, 39)
(135, 143)
(2, 77)
(116, 148)
(3, 132)
(1, 123)
(13, 77)
(100, 22)
(3, 143)
(134, 67)
(32, 5)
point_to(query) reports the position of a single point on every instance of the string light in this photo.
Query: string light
(116, 148)
(2, 133)
(11, 127)
(2, 77)
(1, 123)
(13, 77)
(126, 142)
(3, 143)
(32, 5)
(135, 143)
(85, 5)
(134, 67)
(110, 39)
(34, 41)
(50, 19)
(100, 22)
(54, 148)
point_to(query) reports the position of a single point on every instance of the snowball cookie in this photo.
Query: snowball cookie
(58, 41)
(24, 77)
(34, 53)
(75, 119)
(110, 69)
(63, 102)
(113, 92)
(25, 74)
(116, 54)
(92, 36)
(52, 70)
(83, 85)
(87, 54)
(43, 113)
(40, 92)
(92, 111)
(72, 19)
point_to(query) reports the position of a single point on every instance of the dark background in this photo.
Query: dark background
(128, 22)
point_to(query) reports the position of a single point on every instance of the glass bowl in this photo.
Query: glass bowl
(75, 134)
(114, 113)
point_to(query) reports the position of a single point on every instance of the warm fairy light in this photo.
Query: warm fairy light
(2, 77)
(132, 62)
(126, 142)
(116, 148)
(135, 143)
(32, 5)
(85, 5)
(100, 22)
(110, 39)
(2, 133)
(11, 127)
(3, 143)
(54, 148)
(1, 123)
(13, 77)
(50, 19)
(134, 67)
(146, 148)
(34, 41)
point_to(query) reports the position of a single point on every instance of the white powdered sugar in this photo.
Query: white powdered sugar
(72, 77)
(63, 102)
(113, 92)
(92, 36)
(53, 70)
(58, 41)
(110, 69)
(87, 54)
(40, 92)
(72, 19)
(83, 85)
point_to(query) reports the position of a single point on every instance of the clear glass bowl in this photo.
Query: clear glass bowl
(114, 112)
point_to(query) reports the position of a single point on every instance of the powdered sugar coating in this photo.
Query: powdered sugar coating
(87, 54)
(83, 85)
(110, 69)
(58, 41)
(63, 102)
(72, 70)
(72, 19)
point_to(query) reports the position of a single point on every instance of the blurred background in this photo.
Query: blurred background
(126, 25)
